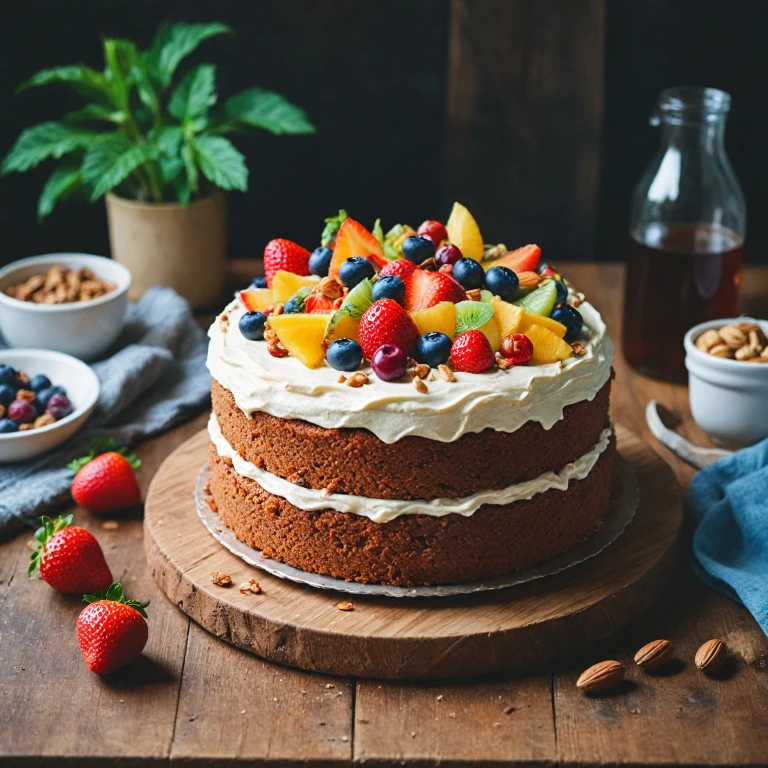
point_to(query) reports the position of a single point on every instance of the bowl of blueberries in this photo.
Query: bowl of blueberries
(45, 397)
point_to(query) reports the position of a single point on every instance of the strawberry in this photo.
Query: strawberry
(425, 289)
(353, 239)
(523, 259)
(284, 254)
(317, 303)
(399, 268)
(386, 322)
(434, 230)
(471, 352)
(68, 558)
(111, 630)
(105, 480)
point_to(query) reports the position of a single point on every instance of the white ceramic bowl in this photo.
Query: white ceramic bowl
(729, 399)
(84, 329)
(82, 387)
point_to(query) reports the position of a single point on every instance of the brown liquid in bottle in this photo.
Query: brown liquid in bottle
(677, 276)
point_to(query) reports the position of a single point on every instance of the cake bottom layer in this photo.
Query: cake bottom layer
(413, 550)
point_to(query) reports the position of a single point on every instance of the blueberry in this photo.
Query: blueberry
(252, 324)
(7, 394)
(38, 406)
(291, 307)
(39, 382)
(469, 273)
(44, 395)
(433, 348)
(502, 282)
(354, 270)
(418, 248)
(259, 282)
(6, 425)
(7, 375)
(344, 355)
(571, 318)
(562, 291)
(320, 261)
(389, 287)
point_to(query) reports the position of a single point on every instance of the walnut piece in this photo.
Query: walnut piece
(345, 605)
(250, 587)
(221, 579)
(60, 285)
(357, 379)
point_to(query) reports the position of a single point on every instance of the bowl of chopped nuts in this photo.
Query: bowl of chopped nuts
(727, 362)
(67, 302)
(45, 397)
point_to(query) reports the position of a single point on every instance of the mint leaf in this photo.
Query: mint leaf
(195, 94)
(221, 163)
(94, 112)
(64, 181)
(258, 108)
(42, 141)
(110, 161)
(168, 140)
(86, 81)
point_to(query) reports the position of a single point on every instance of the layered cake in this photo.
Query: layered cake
(410, 408)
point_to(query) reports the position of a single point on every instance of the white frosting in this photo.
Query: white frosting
(500, 399)
(384, 510)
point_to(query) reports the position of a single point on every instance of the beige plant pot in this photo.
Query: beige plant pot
(167, 244)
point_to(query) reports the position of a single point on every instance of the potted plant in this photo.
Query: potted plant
(154, 143)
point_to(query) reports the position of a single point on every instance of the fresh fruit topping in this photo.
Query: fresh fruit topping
(547, 347)
(508, 317)
(562, 291)
(520, 260)
(345, 321)
(320, 260)
(392, 242)
(353, 239)
(425, 289)
(332, 226)
(486, 296)
(44, 395)
(302, 336)
(257, 299)
(386, 322)
(68, 558)
(105, 482)
(517, 348)
(545, 270)
(502, 282)
(545, 322)
(354, 270)
(8, 375)
(41, 381)
(23, 412)
(448, 254)
(8, 394)
(286, 255)
(111, 630)
(342, 326)
(389, 287)
(59, 406)
(570, 317)
(258, 283)
(418, 248)
(359, 298)
(464, 233)
(471, 352)
(344, 355)
(298, 301)
(318, 303)
(469, 273)
(400, 268)
(540, 301)
(434, 230)
(433, 348)
(7, 426)
(440, 318)
(252, 324)
(472, 315)
(389, 362)
(491, 332)
(285, 284)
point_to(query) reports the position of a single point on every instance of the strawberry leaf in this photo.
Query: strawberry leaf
(100, 445)
(116, 594)
(47, 529)
(332, 227)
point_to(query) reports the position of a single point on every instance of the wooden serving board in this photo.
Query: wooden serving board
(411, 638)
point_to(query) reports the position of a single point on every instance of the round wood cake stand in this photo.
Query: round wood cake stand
(412, 637)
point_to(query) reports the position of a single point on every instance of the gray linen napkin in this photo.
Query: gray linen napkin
(153, 378)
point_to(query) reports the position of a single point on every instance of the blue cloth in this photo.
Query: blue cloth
(729, 500)
(153, 378)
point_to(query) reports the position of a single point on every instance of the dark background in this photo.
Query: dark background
(534, 113)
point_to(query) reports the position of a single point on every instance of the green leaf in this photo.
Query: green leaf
(86, 81)
(116, 594)
(110, 161)
(332, 227)
(94, 112)
(221, 163)
(257, 108)
(183, 191)
(99, 445)
(42, 141)
(168, 140)
(117, 70)
(195, 94)
(62, 183)
(173, 43)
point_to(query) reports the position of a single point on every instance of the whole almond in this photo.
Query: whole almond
(601, 677)
(653, 654)
(711, 655)
(708, 339)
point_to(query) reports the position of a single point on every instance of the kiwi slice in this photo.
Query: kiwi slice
(486, 296)
(540, 301)
(472, 315)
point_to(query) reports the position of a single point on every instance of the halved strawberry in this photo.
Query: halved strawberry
(522, 259)
(425, 289)
(386, 322)
(286, 255)
(354, 239)
(316, 303)
(399, 268)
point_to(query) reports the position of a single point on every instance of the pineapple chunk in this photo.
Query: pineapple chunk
(285, 284)
(441, 317)
(508, 317)
(547, 347)
(545, 322)
(302, 335)
(464, 233)
(346, 329)
(491, 331)
(257, 299)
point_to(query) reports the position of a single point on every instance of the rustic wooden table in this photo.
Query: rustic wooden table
(193, 698)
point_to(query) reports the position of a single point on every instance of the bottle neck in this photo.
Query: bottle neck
(706, 137)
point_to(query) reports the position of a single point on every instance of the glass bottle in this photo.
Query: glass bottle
(687, 226)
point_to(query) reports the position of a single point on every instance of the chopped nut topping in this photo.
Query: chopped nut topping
(502, 362)
(25, 394)
(421, 370)
(420, 385)
(270, 336)
(60, 285)
(429, 265)
(474, 294)
(251, 586)
(578, 348)
(278, 309)
(446, 372)
(276, 349)
(357, 379)
(345, 606)
(331, 288)
(221, 579)
(224, 323)
(342, 378)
